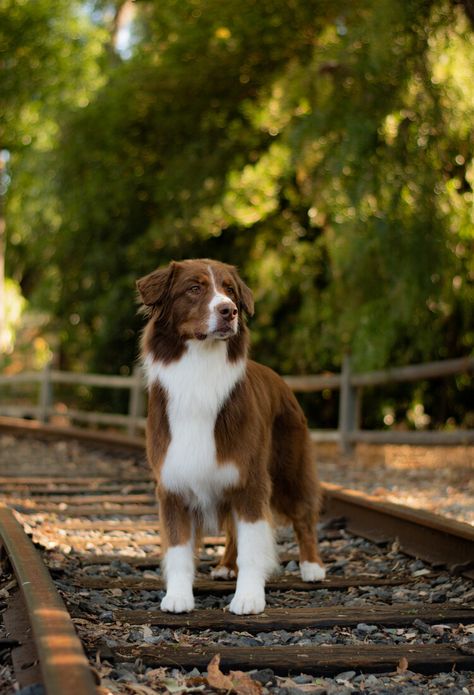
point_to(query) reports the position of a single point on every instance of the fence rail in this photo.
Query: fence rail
(349, 384)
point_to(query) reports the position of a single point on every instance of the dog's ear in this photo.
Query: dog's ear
(154, 286)
(246, 296)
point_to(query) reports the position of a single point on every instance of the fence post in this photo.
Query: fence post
(136, 402)
(45, 394)
(349, 407)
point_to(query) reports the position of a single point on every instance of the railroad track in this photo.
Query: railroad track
(398, 597)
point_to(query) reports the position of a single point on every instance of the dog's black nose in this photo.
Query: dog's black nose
(227, 310)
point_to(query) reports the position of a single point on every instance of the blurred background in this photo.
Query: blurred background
(325, 148)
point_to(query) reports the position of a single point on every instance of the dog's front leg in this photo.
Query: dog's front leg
(256, 560)
(178, 559)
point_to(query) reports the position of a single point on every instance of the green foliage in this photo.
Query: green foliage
(50, 53)
(325, 148)
(14, 305)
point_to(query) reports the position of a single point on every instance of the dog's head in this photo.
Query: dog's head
(199, 299)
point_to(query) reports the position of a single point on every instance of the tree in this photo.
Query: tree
(50, 55)
(325, 148)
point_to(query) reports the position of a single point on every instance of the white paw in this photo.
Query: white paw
(177, 603)
(312, 572)
(223, 572)
(245, 603)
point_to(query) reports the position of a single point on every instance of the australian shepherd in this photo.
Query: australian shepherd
(226, 439)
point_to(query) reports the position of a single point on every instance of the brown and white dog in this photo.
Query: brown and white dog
(226, 438)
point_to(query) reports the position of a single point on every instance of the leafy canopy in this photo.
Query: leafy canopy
(326, 148)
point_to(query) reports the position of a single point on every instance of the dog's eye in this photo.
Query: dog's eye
(230, 290)
(195, 289)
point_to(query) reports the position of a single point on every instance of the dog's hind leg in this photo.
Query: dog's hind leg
(227, 566)
(311, 566)
(296, 491)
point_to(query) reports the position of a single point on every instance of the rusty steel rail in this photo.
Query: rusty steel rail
(428, 536)
(63, 663)
(37, 430)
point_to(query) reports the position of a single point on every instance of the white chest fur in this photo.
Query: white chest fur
(197, 386)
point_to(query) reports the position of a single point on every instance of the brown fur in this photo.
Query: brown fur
(166, 293)
(261, 427)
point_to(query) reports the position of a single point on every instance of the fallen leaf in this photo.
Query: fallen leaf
(439, 630)
(147, 631)
(402, 665)
(139, 689)
(107, 688)
(156, 673)
(176, 687)
(237, 681)
(215, 677)
(196, 682)
(242, 684)
(81, 621)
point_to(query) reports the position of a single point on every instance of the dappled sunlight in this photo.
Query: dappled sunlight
(439, 479)
(13, 307)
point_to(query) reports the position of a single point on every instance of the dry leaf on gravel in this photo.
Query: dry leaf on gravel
(215, 677)
(104, 690)
(161, 682)
(133, 689)
(244, 685)
(237, 681)
(176, 686)
(156, 674)
(402, 665)
(139, 689)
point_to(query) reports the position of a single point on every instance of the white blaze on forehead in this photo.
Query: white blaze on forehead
(217, 298)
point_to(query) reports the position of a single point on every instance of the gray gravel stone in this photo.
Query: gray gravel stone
(338, 690)
(303, 678)
(366, 629)
(263, 676)
(420, 625)
(437, 597)
(107, 617)
(417, 565)
(153, 640)
(36, 689)
(345, 676)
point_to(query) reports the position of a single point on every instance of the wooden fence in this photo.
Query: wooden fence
(349, 384)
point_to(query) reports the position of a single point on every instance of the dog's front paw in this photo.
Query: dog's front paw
(245, 603)
(223, 572)
(312, 572)
(177, 603)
